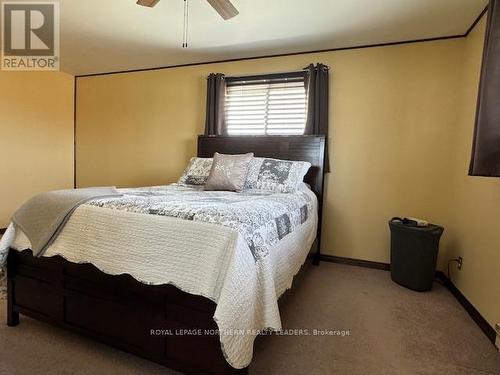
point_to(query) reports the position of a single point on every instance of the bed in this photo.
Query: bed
(167, 321)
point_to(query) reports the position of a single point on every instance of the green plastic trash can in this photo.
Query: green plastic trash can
(414, 253)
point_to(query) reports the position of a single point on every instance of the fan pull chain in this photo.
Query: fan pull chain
(186, 24)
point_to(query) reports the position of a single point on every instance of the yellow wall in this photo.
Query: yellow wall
(392, 111)
(474, 216)
(36, 136)
(400, 134)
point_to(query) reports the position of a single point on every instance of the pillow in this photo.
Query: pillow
(196, 172)
(279, 176)
(228, 172)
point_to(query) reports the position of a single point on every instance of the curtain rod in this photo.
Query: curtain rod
(264, 76)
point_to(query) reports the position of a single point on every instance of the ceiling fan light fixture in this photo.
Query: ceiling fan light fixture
(224, 7)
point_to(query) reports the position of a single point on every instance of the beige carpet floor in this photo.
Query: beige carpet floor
(392, 331)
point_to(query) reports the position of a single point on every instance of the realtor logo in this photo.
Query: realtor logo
(30, 35)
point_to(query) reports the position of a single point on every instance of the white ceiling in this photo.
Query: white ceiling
(113, 35)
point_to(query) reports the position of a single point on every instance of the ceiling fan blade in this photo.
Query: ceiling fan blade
(147, 3)
(224, 8)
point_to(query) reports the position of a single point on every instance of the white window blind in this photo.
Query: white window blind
(268, 108)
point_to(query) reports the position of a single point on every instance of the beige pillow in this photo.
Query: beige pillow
(229, 172)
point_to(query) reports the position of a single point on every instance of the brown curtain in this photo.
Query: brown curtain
(317, 84)
(216, 93)
(485, 160)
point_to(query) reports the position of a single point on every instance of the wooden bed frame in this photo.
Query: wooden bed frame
(120, 311)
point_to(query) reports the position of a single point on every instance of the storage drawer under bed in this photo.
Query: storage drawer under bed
(117, 309)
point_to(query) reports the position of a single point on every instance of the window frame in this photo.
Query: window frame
(269, 78)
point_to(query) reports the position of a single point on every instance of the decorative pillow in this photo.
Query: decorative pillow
(280, 176)
(228, 172)
(197, 171)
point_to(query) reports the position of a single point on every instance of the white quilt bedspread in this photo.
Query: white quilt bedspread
(199, 258)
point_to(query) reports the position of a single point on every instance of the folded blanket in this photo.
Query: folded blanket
(43, 217)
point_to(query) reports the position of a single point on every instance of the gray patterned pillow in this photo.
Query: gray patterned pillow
(228, 172)
(196, 172)
(280, 176)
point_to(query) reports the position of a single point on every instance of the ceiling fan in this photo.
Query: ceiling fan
(224, 7)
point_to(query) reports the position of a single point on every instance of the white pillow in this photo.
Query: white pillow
(197, 171)
(280, 176)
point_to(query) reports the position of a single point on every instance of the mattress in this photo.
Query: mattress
(240, 250)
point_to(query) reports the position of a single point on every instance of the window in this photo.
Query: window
(266, 105)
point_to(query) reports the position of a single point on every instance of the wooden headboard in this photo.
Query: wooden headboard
(293, 147)
(287, 147)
